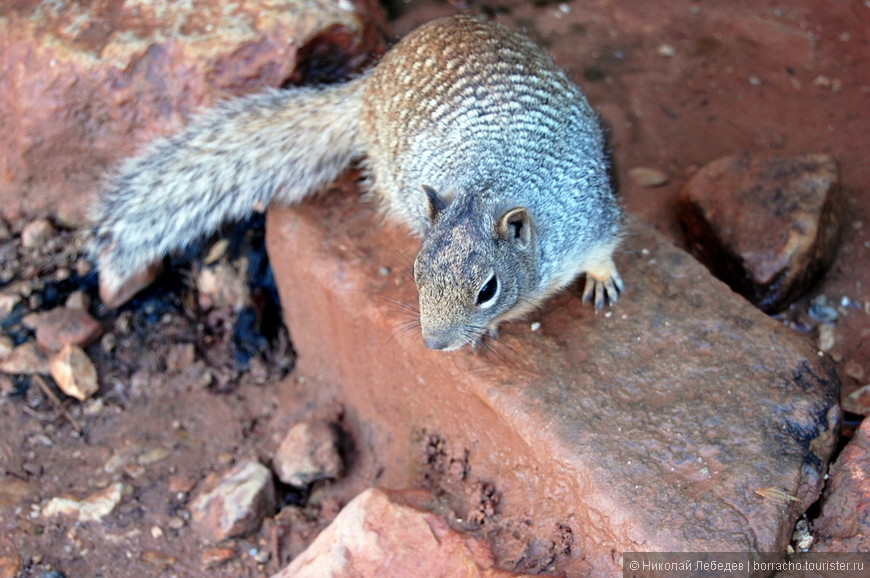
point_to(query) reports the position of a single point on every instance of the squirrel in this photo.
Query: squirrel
(471, 136)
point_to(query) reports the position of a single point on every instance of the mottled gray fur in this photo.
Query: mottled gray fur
(473, 138)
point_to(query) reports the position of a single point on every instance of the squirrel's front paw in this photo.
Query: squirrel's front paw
(603, 286)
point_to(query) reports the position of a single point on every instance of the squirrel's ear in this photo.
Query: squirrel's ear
(436, 203)
(516, 226)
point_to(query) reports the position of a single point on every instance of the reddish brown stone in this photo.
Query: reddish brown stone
(844, 524)
(62, 326)
(85, 84)
(768, 225)
(650, 426)
(380, 534)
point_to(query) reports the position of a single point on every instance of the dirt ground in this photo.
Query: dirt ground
(190, 385)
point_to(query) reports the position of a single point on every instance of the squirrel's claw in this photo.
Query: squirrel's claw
(603, 291)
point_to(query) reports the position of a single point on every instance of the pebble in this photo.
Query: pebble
(93, 508)
(224, 285)
(858, 401)
(158, 559)
(8, 301)
(63, 326)
(666, 50)
(26, 359)
(854, 370)
(308, 452)
(5, 233)
(236, 504)
(74, 372)
(823, 312)
(647, 177)
(827, 337)
(6, 346)
(114, 297)
(78, 300)
(215, 556)
(36, 233)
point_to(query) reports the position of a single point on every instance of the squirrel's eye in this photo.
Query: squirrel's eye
(488, 291)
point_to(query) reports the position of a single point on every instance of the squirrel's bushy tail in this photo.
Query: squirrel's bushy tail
(228, 162)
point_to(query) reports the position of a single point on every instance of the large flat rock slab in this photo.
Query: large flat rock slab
(651, 427)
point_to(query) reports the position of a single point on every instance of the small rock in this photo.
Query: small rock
(215, 556)
(236, 504)
(647, 177)
(159, 559)
(309, 452)
(8, 301)
(7, 386)
(827, 337)
(6, 346)
(78, 300)
(74, 372)
(844, 522)
(224, 284)
(90, 509)
(114, 296)
(26, 359)
(36, 233)
(63, 326)
(386, 536)
(768, 226)
(666, 50)
(5, 233)
(854, 370)
(858, 401)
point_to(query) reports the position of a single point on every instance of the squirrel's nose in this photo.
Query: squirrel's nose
(436, 342)
(441, 340)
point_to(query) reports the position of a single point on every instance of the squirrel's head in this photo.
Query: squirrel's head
(476, 264)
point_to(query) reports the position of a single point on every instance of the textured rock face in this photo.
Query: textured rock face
(235, 504)
(85, 84)
(844, 524)
(649, 427)
(768, 226)
(380, 534)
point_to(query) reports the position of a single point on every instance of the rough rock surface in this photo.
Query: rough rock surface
(63, 326)
(768, 225)
(236, 504)
(381, 534)
(91, 509)
(74, 372)
(114, 75)
(844, 524)
(647, 427)
(309, 452)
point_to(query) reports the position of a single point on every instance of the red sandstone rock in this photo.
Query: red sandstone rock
(85, 84)
(647, 427)
(768, 225)
(380, 534)
(62, 326)
(844, 524)
(235, 504)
